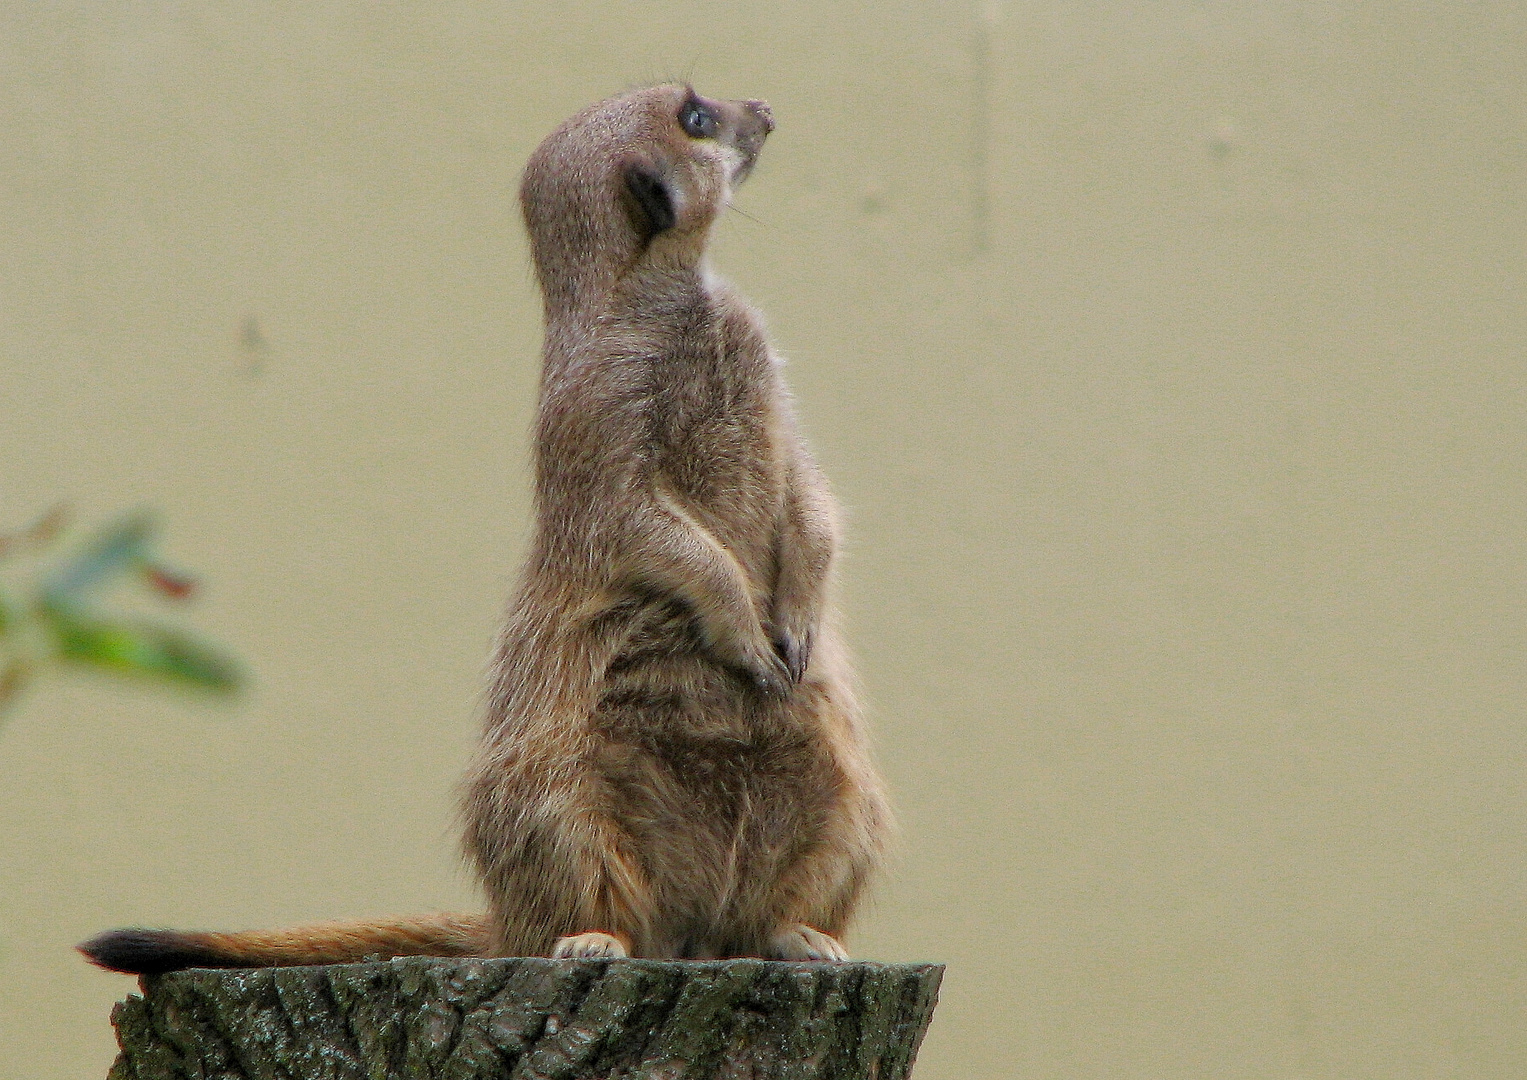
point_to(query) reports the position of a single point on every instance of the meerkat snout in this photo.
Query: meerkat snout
(761, 110)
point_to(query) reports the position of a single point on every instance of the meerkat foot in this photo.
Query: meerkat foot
(592, 945)
(801, 942)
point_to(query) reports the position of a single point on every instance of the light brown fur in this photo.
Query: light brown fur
(673, 764)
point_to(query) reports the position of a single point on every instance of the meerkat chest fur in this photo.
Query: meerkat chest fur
(717, 416)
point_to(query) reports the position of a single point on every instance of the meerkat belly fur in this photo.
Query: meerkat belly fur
(672, 762)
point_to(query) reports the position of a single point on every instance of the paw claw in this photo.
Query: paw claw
(770, 674)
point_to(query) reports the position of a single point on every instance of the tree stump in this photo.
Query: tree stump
(422, 1018)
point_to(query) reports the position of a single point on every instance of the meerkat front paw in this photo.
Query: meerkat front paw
(794, 649)
(768, 670)
(593, 945)
(801, 942)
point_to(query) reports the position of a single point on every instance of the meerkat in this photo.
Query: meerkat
(673, 764)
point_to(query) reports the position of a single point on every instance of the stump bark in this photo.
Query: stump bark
(423, 1018)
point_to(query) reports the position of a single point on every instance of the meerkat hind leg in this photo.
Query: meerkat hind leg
(592, 945)
(801, 942)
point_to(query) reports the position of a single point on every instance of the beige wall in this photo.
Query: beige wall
(1169, 357)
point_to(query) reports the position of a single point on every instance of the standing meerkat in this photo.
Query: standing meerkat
(672, 763)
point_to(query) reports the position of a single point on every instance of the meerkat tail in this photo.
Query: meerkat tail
(153, 952)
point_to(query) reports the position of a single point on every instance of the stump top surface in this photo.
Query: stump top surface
(689, 968)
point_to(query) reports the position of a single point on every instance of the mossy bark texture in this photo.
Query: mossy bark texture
(529, 1019)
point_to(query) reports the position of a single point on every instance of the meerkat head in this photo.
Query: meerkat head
(638, 178)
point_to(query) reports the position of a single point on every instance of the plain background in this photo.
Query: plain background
(1169, 358)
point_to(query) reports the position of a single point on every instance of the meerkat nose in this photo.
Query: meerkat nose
(761, 110)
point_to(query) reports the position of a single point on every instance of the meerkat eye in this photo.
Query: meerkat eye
(697, 121)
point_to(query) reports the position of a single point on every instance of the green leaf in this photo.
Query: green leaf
(118, 547)
(145, 650)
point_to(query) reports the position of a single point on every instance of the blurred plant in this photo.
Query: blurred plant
(55, 623)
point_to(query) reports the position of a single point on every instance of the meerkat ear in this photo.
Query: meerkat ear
(655, 211)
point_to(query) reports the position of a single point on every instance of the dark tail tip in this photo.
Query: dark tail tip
(150, 952)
